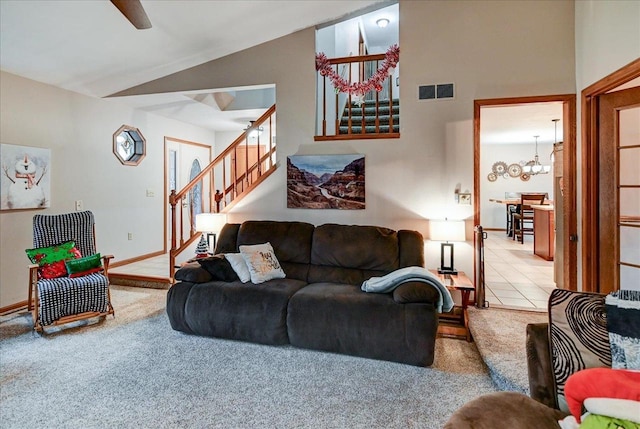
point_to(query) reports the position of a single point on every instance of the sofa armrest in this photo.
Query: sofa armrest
(416, 292)
(541, 379)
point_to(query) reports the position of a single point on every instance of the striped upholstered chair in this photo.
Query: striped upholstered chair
(54, 301)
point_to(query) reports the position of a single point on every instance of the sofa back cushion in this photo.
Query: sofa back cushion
(291, 242)
(411, 245)
(351, 254)
(578, 336)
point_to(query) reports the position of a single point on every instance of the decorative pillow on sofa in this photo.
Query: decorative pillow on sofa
(192, 272)
(623, 324)
(84, 266)
(239, 266)
(578, 335)
(262, 262)
(219, 268)
(52, 259)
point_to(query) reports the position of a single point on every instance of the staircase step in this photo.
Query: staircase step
(371, 111)
(369, 120)
(372, 103)
(369, 129)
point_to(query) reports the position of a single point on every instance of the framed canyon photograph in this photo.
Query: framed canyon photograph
(326, 182)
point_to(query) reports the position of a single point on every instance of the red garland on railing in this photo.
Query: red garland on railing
(360, 88)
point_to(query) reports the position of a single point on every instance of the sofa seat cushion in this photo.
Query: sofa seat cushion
(234, 310)
(341, 318)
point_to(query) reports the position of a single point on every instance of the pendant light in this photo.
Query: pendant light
(534, 167)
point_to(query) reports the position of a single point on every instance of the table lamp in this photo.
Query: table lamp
(446, 231)
(209, 224)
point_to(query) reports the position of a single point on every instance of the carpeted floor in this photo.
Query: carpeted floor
(500, 336)
(135, 371)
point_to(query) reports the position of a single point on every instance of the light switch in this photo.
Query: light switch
(79, 205)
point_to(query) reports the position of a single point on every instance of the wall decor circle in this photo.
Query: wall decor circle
(524, 177)
(492, 177)
(514, 170)
(499, 167)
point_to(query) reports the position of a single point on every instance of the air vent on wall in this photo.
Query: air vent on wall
(431, 92)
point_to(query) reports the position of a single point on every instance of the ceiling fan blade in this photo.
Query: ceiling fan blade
(134, 12)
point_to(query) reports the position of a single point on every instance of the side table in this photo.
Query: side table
(455, 324)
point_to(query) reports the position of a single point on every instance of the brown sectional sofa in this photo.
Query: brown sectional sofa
(319, 305)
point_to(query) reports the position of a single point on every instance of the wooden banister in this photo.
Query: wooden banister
(236, 177)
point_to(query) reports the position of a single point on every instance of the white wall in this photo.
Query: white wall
(493, 215)
(78, 129)
(607, 38)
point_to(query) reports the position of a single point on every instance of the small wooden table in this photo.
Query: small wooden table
(455, 324)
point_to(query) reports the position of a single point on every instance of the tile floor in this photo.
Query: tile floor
(158, 266)
(514, 276)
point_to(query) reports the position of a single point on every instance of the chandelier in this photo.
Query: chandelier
(534, 167)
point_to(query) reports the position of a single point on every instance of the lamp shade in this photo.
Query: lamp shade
(446, 230)
(210, 222)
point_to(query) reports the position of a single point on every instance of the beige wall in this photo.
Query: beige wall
(488, 49)
(78, 131)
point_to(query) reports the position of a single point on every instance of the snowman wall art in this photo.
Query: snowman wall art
(25, 179)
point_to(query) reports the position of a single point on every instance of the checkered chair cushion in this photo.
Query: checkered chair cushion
(66, 296)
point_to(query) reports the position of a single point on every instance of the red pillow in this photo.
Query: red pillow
(56, 269)
(600, 383)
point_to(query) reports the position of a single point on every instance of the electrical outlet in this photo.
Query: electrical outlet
(150, 193)
(79, 205)
(130, 236)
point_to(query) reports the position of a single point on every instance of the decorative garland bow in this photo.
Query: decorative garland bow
(392, 57)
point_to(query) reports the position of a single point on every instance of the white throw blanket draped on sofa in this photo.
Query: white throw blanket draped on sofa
(388, 283)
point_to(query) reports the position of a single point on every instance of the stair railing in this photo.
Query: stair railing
(330, 128)
(235, 172)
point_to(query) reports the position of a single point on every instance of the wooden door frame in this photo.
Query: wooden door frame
(569, 219)
(590, 164)
(168, 140)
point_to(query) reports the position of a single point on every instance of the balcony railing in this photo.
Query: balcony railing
(343, 116)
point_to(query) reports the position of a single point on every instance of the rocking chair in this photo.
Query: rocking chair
(55, 301)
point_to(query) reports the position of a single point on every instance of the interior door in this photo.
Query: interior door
(183, 161)
(619, 190)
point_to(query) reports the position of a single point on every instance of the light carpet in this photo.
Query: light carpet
(500, 336)
(135, 371)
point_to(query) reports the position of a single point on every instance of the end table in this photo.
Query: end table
(455, 324)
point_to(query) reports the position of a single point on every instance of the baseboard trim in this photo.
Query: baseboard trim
(13, 307)
(153, 282)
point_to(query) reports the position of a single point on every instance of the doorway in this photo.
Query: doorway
(183, 161)
(611, 190)
(565, 198)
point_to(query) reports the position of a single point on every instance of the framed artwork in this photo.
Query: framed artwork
(25, 181)
(326, 182)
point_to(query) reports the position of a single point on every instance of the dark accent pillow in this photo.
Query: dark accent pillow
(192, 272)
(623, 325)
(219, 268)
(84, 266)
